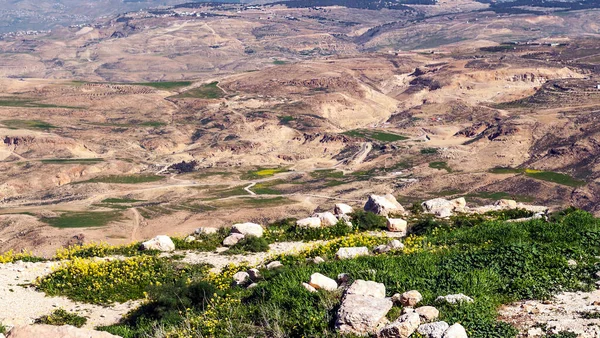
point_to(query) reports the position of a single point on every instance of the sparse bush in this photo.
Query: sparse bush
(368, 221)
(184, 167)
(203, 242)
(249, 244)
(11, 257)
(62, 317)
(286, 230)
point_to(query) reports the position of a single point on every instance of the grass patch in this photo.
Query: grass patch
(280, 62)
(266, 188)
(72, 160)
(249, 244)
(548, 176)
(429, 151)
(262, 173)
(285, 120)
(207, 91)
(28, 103)
(62, 317)
(82, 219)
(125, 179)
(28, 124)
(553, 177)
(375, 135)
(440, 165)
(326, 173)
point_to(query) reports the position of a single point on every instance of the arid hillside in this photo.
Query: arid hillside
(203, 115)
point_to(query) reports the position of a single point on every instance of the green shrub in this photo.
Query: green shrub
(3, 329)
(62, 317)
(286, 230)
(368, 221)
(203, 242)
(249, 244)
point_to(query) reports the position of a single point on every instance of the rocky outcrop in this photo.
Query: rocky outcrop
(397, 225)
(159, 243)
(343, 209)
(402, 327)
(309, 222)
(327, 219)
(453, 299)
(363, 311)
(232, 239)
(383, 205)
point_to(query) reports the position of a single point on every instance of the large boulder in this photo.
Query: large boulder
(362, 315)
(159, 243)
(327, 219)
(206, 231)
(321, 282)
(232, 239)
(309, 222)
(51, 331)
(343, 209)
(438, 206)
(397, 225)
(403, 327)
(367, 288)
(247, 229)
(433, 330)
(383, 205)
(455, 331)
(353, 252)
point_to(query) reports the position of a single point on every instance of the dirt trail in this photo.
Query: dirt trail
(248, 188)
(136, 223)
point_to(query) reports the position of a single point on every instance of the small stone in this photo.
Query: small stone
(367, 288)
(433, 330)
(343, 209)
(428, 313)
(403, 327)
(395, 244)
(206, 231)
(309, 287)
(241, 277)
(397, 225)
(318, 260)
(455, 331)
(353, 252)
(343, 278)
(274, 265)
(254, 274)
(453, 299)
(362, 315)
(159, 243)
(252, 286)
(319, 281)
(309, 222)
(232, 239)
(380, 249)
(190, 239)
(327, 219)
(571, 262)
(247, 229)
(410, 298)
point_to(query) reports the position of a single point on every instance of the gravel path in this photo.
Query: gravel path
(21, 305)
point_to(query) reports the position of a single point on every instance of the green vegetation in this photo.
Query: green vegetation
(166, 85)
(120, 200)
(440, 165)
(72, 160)
(62, 317)
(549, 176)
(493, 261)
(82, 219)
(279, 62)
(429, 151)
(285, 120)
(207, 91)
(2, 329)
(27, 124)
(326, 173)
(375, 135)
(125, 179)
(553, 177)
(266, 188)
(262, 173)
(28, 103)
(249, 244)
(132, 124)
